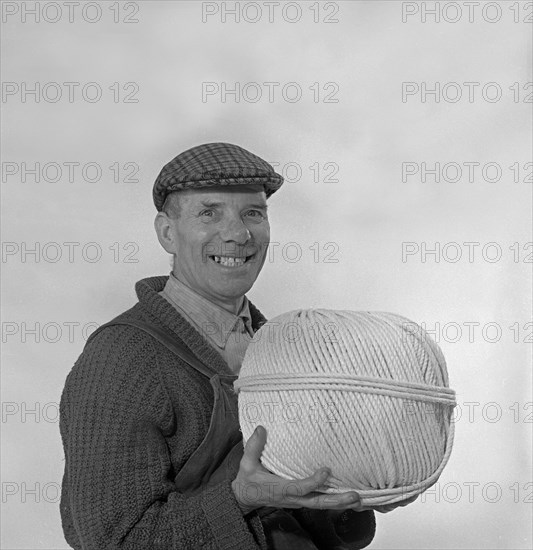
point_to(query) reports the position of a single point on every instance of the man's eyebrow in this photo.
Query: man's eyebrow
(215, 204)
(208, 202)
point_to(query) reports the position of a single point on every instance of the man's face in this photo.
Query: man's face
(220, 239)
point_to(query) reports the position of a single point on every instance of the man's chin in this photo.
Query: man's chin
(234, 292)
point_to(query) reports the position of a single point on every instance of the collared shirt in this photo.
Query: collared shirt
(229, 334)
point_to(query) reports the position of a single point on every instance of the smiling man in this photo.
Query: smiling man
(219, 238)
(148, 417)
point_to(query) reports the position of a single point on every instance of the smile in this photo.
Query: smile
(230, 261)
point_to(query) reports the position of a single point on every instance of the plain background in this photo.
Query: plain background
(479, 306)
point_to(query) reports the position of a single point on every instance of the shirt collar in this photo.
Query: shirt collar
(210, 319)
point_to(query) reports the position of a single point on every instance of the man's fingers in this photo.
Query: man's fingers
(384, 509)
(329, 501)
(306, 493)
(308, 484)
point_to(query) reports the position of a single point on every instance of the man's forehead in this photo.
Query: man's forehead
(223, 193)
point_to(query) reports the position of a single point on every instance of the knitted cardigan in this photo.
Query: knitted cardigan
(131, 414)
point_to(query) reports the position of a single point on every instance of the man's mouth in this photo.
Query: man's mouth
(231, 261)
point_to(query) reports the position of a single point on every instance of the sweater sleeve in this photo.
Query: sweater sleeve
(118, 490)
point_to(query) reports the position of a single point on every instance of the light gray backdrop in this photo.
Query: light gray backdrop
(358, 102)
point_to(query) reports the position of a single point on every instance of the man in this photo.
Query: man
(153, 452)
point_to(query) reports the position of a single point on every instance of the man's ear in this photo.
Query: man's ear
(163, 228)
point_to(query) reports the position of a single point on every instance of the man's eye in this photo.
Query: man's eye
(207, 213)
(254, 214)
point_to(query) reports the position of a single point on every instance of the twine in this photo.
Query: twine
(364, 373)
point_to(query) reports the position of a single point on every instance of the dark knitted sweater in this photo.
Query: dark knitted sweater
(131, 414)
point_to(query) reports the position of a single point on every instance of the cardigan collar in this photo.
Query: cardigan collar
(163, 313)
(203, 313)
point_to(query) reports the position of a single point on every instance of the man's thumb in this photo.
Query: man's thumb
(255, 444)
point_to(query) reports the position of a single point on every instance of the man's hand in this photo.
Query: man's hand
(255, 486)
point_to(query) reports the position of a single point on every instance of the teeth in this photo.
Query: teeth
(229, 261)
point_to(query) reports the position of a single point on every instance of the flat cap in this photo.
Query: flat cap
(214, 164)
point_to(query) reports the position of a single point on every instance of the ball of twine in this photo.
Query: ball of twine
(364, 393)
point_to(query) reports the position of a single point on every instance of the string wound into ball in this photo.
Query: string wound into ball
(387, 384)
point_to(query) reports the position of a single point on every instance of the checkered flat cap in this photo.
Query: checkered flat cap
(214, 164)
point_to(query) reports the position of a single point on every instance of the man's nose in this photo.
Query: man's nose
(234, 229)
